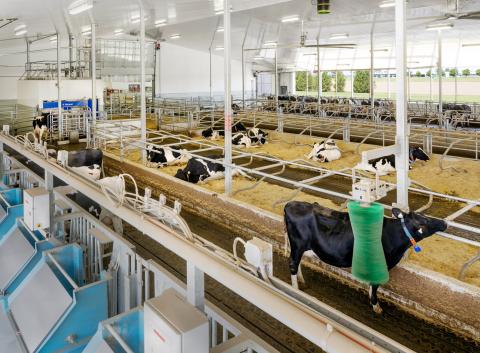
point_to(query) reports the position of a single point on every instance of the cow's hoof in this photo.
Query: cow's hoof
(377, 309)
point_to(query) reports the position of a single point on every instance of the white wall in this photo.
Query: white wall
(185, 71)
(33, 92)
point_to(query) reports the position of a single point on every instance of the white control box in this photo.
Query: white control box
(367, 190)
(172, 325)
(259, 253)
(36, 208)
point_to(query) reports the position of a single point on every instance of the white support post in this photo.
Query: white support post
(276, 80)
(228, 96)
(143, 108)
(319, 86)
(372, 57)
(51, 202)
(440, 71)
(93, 57)
(59, 89)
(306, 81)
(388, 84)
(195, 286)
(402, 137)
(351, 83)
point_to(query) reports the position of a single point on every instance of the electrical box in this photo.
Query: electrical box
(172, 325)
(367, 190)
(259, 254)
(36, 208)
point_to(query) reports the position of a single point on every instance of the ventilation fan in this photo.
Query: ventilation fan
(457, 15)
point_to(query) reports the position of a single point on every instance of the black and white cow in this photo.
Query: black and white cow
(325, 151)
(40, 126)
(242, 139)
(255, 132)
(82, 158)
(162, 156)
(201, 170)
(329, 234)
(87, 162)
(212, 134)
(385, 165)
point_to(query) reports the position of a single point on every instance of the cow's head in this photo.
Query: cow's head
(152, 151)
(181, 174)
(420, 226)
(418, 153)
(330, 144)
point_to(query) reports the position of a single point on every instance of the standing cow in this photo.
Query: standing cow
(41, 124)
(326, 151)
(329, 234)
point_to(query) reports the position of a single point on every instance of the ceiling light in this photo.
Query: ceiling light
(79, 6)
(218, 48)
(160, 23)
(414, 62)
(452, 17)
(471, 45)
(175, 36)
(439, 26)
(20, 30)
(290, 19)
(53, 39)
(387, 3)
(380, 50)
(270, 43)
(310, 54)
(118, 32)
(86, 31)
(220, 29)
(136, 19)
(258, 57)
(339, 36)
(219, 12)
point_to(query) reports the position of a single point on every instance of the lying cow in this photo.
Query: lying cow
(200, 170)
(242, 139)
(162, 156)
(325, 151)
(385, 165)
(40, 126)
(212, 134)
(329, 234)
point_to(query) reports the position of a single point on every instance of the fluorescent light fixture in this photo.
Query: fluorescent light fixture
(118, 32)
(219, 48)
(160, 23)
(220, 29)
(86, 31)
(53, 39)
(288, 19)
(270, 43)
(439, 26)
(339, 36)
(471, 45)
(310, 54)
(387, 3)
(21, 31)
(219, 12)
(381, 50)
(136, 19)
(414, 62)
(258, 57)
(80, 6)
(175, 36)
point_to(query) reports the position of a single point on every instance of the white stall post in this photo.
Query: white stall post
(440, 72)
(59, 90)
(51, 202)
(402, 137)
(143, 108)
(372, 90)
(228, 96)
(93, 58)
(195, 286)
(319, 86)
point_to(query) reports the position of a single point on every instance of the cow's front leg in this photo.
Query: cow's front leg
(372, 293)
(295, 259)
